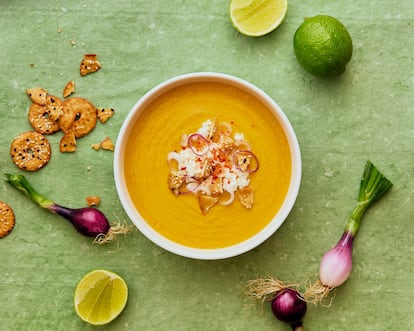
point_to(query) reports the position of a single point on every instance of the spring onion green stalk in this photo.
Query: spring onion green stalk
(87, 221)
(336, 265)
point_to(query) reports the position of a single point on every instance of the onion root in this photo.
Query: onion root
(318, 293)
(115, 230)
(266, 288)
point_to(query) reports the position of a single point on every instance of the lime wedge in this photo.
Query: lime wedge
(257, 17)
(100, 297)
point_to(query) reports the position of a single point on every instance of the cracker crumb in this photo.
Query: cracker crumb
(93, 201)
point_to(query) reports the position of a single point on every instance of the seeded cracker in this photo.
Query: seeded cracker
(38, 95)
(7, 219)
(40, 119)
(79, 116)
(30, 151)
(89, 64)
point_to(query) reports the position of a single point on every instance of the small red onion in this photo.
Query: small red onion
(288, 306)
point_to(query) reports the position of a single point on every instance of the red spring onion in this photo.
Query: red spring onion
(287, 303)
(198, 144)
(336, 264)
(88, 221)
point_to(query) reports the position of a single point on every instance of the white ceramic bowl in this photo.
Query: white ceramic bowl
(162, 241)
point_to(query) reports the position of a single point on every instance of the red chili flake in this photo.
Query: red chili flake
(183, 168)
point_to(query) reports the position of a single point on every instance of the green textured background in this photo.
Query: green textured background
(367, 113)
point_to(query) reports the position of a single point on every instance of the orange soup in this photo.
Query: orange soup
(158, 131)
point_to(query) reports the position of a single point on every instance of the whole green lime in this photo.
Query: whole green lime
(323, 46)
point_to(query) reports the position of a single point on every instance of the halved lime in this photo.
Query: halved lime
(100, 297)
(257, 17)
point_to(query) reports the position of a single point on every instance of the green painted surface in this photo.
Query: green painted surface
(367, 113)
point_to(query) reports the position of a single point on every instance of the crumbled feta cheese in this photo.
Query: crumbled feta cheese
(238, 137)
(234, 179)
(206, 129)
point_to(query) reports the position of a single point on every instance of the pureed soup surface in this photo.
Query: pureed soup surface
(158, 131)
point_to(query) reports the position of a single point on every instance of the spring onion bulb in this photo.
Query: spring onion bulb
(336, 265)
(287, 303)
(87, 221)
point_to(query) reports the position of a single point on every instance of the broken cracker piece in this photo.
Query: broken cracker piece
(106, 144)
(68, 142)
(104, 114)
(69, 89)
(206, 202)
(89, 64)
(38, 95)
(246, 197)
(93, 201)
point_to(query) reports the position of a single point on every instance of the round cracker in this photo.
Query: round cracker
(7, 219)
(41, 120)
(79, 115)
(30, 151)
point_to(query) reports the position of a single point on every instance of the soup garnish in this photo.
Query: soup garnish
(213, 164)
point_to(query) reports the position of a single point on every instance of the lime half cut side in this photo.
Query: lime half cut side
(100, 297)
(257, 17)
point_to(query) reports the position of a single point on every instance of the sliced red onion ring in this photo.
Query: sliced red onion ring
(190, 186)
(245, 156)
(198, 144)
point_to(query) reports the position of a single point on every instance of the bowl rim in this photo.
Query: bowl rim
(192, 252)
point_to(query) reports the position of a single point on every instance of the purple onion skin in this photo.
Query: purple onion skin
(288, 307)
(87, 221)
